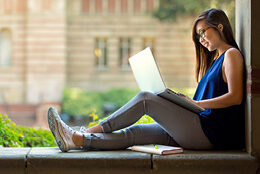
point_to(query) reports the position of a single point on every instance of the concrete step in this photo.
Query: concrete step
(51, 160)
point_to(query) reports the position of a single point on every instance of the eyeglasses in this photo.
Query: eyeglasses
(202, 33)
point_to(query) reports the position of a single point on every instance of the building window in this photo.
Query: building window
(137, 6)
(124, 52)
(46, 4)
(7, 4)
(124, 6)
(148, 42)
(98, 6)
(5, 48)
(21, 6)
(149, 5)
(85, 6)
(111, 6)
(101, 53)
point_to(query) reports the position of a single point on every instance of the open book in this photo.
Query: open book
(157, 149)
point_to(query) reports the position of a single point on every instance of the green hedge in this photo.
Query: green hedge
(12, 135)
(80, 102)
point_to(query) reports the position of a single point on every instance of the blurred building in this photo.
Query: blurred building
(47, 45)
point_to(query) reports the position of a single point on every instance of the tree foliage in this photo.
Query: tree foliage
(170, 10)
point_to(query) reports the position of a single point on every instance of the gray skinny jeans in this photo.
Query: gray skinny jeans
(174, 126)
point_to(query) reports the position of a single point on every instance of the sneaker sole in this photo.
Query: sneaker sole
(53, 124)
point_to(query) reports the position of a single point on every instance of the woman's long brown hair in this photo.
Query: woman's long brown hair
(204, 58)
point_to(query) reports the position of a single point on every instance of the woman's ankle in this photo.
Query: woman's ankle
(78, 139)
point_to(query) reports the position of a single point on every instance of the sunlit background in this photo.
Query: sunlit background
(73, 54)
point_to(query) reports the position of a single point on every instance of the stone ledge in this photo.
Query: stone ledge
(13, 160)
(51, 160)
(213, 162)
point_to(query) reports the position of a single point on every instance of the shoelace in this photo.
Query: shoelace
(83, 129)
(67, 128)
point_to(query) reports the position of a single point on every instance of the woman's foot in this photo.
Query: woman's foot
(61, 131)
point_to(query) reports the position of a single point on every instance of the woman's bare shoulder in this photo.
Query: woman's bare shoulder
(233, 55)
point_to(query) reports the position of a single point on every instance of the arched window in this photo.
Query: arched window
(5, 47)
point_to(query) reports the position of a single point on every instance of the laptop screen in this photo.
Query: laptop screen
(146, 71)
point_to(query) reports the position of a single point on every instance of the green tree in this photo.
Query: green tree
(170, 10)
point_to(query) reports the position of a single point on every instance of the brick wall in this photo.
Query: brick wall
(173, 45)
(53, 43)
(22, 114)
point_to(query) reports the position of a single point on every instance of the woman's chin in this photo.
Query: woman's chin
(211, 49)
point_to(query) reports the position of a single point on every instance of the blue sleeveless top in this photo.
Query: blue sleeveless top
(224, 127)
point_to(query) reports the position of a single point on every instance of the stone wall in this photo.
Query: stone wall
(36, 74)
(45, 51)
(12, 76)
(248, 35)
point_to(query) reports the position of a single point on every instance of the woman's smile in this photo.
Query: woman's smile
(206, 44)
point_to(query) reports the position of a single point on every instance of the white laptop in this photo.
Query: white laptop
(148, 77)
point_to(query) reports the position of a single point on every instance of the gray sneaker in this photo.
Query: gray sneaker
(61, 131)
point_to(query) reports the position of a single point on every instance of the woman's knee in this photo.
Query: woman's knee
(144, 94)
(133, 130)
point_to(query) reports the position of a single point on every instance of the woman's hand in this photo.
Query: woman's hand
(186, 97)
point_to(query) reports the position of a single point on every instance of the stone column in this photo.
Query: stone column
(45, 55)
(45, 51)
(248, 36)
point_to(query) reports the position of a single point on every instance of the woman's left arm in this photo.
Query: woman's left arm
(233, 75)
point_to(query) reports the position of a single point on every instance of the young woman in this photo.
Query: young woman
(220, 72)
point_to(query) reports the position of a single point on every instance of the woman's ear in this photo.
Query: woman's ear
(220, 27)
